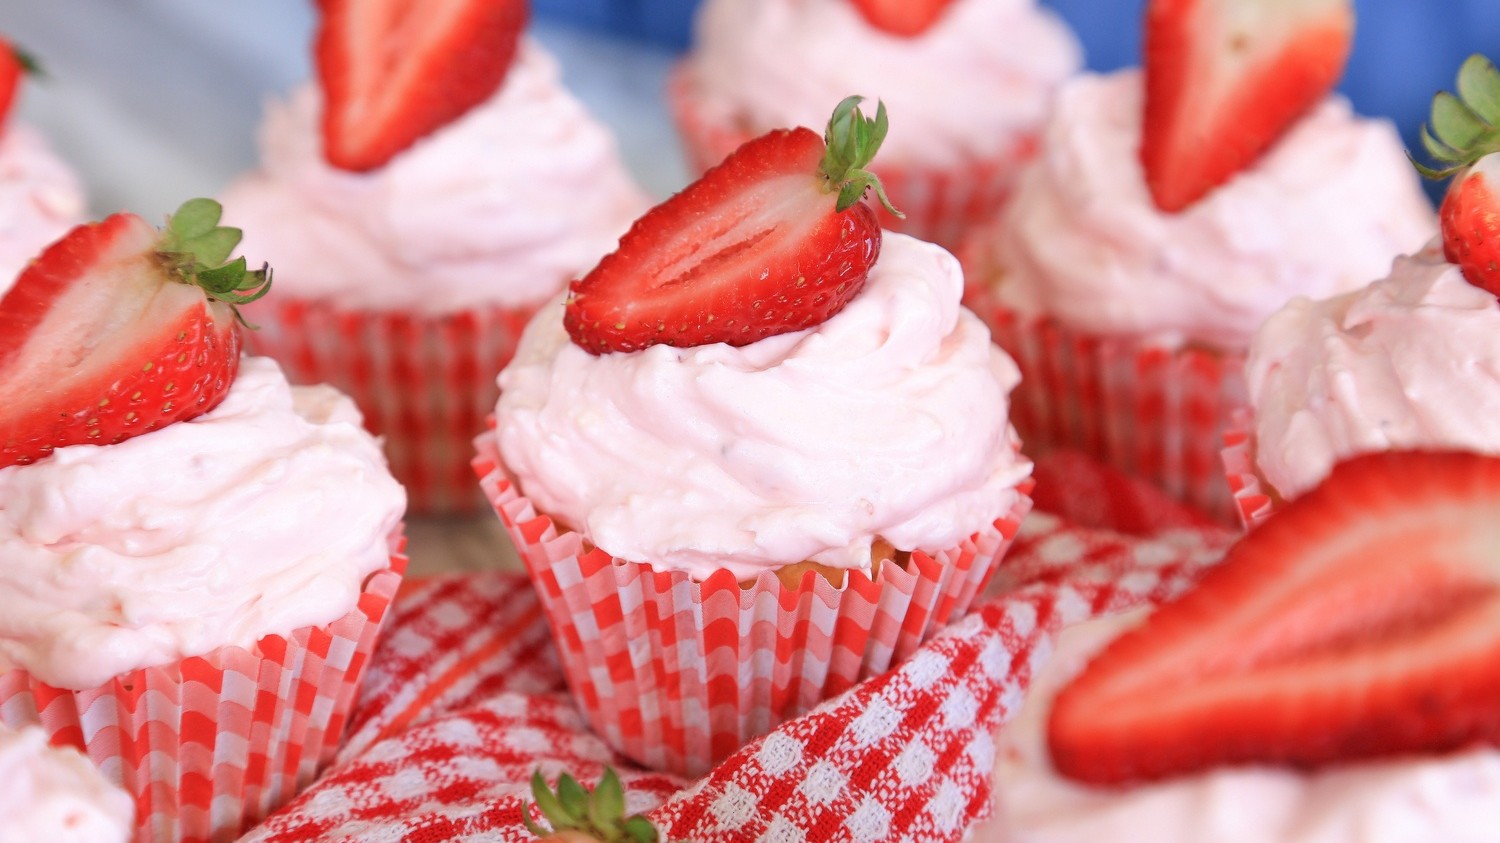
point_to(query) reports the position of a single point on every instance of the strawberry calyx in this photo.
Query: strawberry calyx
(598, 813)
(195, 249)
(1465, 127)
(852, 140)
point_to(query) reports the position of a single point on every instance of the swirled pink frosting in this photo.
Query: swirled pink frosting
(888, 420)
(40, 199)
(260, 517)
(1410, 361)
(501, 207)
(56, 795)
(963, 90)
(1324, 211)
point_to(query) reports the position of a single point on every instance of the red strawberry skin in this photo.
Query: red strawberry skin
(97, 345)
(394, 71)
(753, 248)
(904, 18)
(1362, 621)
(1470, 221)
(1224, 80)
(12, 70)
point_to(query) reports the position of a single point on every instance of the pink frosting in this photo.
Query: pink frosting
(888, 420)
(40, 199)
(1430, 799)
(501, 207)
(260, 517)
(963, 90)
(1324, 211)
(1410, 361)
(56, 795)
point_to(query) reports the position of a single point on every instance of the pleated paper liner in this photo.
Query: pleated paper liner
(678, 674)
(941, 206)
(425, 383)
(1254, 500)
(209, 745)
(1154, 412)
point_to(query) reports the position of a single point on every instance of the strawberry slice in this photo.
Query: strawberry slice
(904, 18)
(14, 65)
(1362, 620)
(1463, 139)
(774, 239)
(1225, 78)
(118, 329)
(394, 71)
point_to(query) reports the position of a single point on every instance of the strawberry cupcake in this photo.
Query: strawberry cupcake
(56, 795)
(1379, 368)
(40, 198)
(195, 557)
(1331, 681)
(1168, 214)
(759, 453)
(970, 82)
(418, 212)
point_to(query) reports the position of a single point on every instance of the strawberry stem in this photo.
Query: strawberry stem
(1463, 129)
(194, 249)
(599, 813)
(852, 140)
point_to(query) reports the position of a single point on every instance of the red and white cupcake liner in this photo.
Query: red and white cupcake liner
(941, 206)
(209, 745)
(1253, 500)
(1154, 412)
(425, 383)
(678, 674)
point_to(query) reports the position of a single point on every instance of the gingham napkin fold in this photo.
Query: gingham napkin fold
(465, 699)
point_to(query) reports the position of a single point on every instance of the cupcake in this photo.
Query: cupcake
(56, 795)
(1348, 661)
(1133, 266)
(759, 453)
(195, 557)
(971, 81)
(1409, 361)
(40, 198)
(405, 275)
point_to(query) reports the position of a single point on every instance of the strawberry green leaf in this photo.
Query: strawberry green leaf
(852, 140)
(1479, 86)
(638, 829)
(575, 800)
(1464, 128)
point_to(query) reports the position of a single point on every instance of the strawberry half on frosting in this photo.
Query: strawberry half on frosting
(1361, 621)
(394, 71)
(772, 240)
(1463, 139)
(1224, 81)
(118, 329)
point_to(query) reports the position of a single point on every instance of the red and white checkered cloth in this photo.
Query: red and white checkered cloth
(465, 700)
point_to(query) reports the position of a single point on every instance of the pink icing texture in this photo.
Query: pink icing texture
(40, 199)
(888, 420)
(1409, 361)
(1324, 211)
(56, 795)
(502, 206)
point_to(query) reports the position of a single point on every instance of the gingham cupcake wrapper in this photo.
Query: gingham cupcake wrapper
(940, 206)
(424, 383)
(678, 674)
(1157, 413)
(1253, 502)
(210, 745)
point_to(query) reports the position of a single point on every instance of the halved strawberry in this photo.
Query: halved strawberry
(774, 239)
(14, 65)
(118, 329)
(393, 71)
(1463, 137)
(906, 18)
(1225, 78)
(1362, 620)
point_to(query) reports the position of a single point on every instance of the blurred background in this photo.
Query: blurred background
(157, 100)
